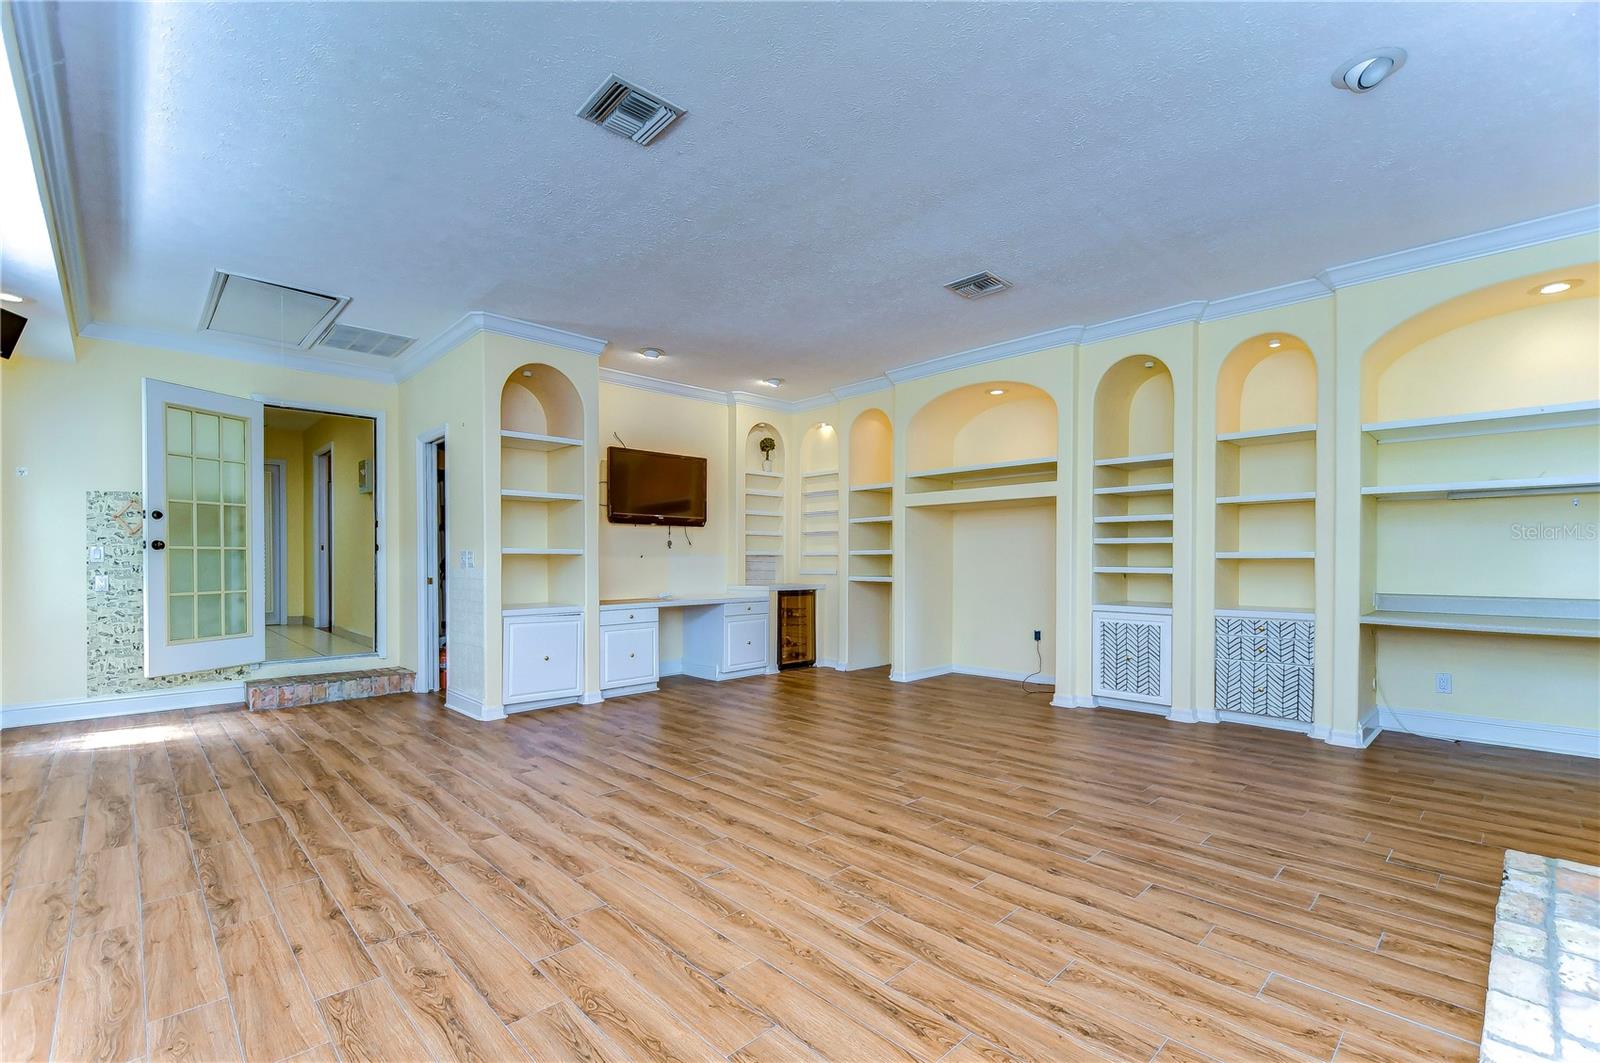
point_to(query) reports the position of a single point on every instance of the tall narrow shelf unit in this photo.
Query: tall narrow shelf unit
(764, 506)
(820, 507)
(1266, 480)
(1133, 556)
(543, 491)
(869, 540)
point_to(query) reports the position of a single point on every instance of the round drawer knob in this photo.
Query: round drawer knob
(547, 656)
(747, 642)
(630, 655)
(630, 616)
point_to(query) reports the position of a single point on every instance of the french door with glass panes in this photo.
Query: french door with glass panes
(204, 553)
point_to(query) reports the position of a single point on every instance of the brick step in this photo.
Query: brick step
(293, 691)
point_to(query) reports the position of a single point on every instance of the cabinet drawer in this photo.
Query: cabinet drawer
(744, 642)
(543, 658)
(756, 606)
(627, 655)
(641, 614)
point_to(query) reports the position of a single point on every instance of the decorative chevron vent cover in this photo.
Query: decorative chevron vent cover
(1130, 658)
(1265, 667)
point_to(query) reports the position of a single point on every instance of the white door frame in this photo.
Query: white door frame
(277, 537)
(322, 537)
(380, 452)
(427, 559)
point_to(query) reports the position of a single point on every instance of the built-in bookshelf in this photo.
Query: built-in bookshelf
(764, 506)
(868, 514)
(1132, 476)
(821, 535)
(1266, 477)
(542, 489)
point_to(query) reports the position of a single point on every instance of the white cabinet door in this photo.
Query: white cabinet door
(1133, 657)
(543, 658)
(744, 642)
(627, 655)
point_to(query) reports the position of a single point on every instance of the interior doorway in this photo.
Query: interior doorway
(275, 515)
(433, 669)
(322, 532)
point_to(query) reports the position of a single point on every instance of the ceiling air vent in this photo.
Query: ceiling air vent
(978, 285)
(365, 341)
(629, 111)
(262, 310)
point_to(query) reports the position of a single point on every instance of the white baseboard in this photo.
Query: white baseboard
(121, 705)
(1545, 737)
(592, 697)
(1071, 701)
(470, 707)
(1183, 715)
(1001, 673)
(1271, 723)
(1369, 728)
(672, 667)
(896, 676)
(622, 692)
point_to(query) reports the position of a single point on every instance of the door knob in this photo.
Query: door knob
(158, 544)
(156, 514)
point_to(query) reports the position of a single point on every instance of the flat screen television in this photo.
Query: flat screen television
(646, 487)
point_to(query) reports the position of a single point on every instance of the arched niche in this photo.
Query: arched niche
(1504, 346)
(871, 449)
(974, 426)
(753, 454)
(1133, 408)
(819, 449)
(1268, 381)
(538, 399)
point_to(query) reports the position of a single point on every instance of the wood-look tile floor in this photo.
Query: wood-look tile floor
(800, 866)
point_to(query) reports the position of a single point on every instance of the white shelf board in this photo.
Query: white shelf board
(826, 492)
(764, 535)
(1038, 492)
(1587, 484)
(542, 551)
(1133, 570)
(1134, 540)
(763, 553)
(535, 441)
(1259, 437)
(872, 553)
(820, 531)
(1489, 422)
(1482, 623)
(820, 553)
(872, 520)
(1126, 605)
(871, 579)
(820, 473)
(540, 496)
(1136, 489)
(767, 475)
(1136, 518)
(1266, 555)
(819, 572)
(989, 471)
(761, 513)
(1135, 461)
(762, 493)
(538, 608)
(1267, 499)
(873, 487)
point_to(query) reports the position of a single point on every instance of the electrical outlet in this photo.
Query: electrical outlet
(1443, 683)
(1037, 634)
(97, 553)
(102, 583)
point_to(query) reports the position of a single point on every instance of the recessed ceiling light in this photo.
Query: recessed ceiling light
(1365, 72)
(997, 391)
(527, 372)
(773, 381)
(1149, 365)
(652, 353)
(1274, 343)
(1557, 287)
(825, 426)
(7, 297)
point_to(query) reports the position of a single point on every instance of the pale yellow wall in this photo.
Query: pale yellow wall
(353, 440)
(77, 427)
(289, 447)
(1003, 588)
(1528, 680)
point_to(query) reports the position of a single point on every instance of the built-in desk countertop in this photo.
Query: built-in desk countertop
(728, 597)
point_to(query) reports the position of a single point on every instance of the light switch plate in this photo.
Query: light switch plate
(97, 553)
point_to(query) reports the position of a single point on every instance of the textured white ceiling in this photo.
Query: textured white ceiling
(837, 165)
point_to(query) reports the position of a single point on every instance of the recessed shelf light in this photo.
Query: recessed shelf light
(1274, 343)
(527, 372)
(997, 391)
(7, 297)
(773, 381)
(1557, 287)
(652, 353)
(1365, 72)
(1149, 365)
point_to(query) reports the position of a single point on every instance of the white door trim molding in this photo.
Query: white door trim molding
(322, 537)
(427, 649)
(277, 539)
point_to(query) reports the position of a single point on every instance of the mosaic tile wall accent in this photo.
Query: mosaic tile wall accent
(464, 591)
(1543, 1001)
(114, 629)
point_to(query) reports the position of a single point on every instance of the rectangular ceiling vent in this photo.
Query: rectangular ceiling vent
(365, 341)
(629, 111)
(978, 285)
(272, 313)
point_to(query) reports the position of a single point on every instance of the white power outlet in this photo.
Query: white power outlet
(1443, 683)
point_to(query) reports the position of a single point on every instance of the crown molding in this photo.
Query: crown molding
(217, 347)
(470, 324)
(1266, 299)
(862, 387)
(991, 352)
(1176, 314)
(622, 378)
(1579, 222)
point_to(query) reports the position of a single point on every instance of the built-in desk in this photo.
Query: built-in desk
(726, 635)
